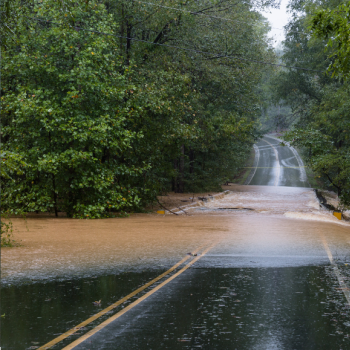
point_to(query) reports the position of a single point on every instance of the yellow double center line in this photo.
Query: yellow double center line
(121, 301)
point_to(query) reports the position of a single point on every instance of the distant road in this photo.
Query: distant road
(278, 165)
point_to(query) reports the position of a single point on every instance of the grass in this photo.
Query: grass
(6, 235)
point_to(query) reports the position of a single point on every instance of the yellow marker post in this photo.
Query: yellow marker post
(160, 211)
(337, 214)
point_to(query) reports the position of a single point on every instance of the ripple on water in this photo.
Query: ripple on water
(66, 247)
(316, 216)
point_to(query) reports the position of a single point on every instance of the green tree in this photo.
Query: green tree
(64, 113)
(333, 24)
(319, 102)
(110, 103)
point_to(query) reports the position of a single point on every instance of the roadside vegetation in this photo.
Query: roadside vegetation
(319, 120)
(107, 104)
(6, 234)
(242, 175)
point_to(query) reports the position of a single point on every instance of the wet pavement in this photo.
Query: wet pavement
(35, 313)
(268, 271)
(208, 308)
(278, 165)
(269, 308)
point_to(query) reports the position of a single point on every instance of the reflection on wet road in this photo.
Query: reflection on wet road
(207, 308)
(38, 312)
(278, 165)
(261, 278)
(270, 308)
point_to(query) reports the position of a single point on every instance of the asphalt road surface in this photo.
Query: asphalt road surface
(265, 271)
(278, 165)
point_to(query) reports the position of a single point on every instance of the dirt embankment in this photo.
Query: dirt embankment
(174, 200)
(331, 201)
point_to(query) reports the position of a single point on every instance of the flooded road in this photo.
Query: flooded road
(261, 268)
(236, 309)
(208, 308)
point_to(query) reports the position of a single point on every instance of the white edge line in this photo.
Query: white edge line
(298, 158)
(337, 273)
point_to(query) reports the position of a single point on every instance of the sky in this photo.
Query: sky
(278, 18)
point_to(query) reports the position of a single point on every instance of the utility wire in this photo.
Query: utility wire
(215, 56)
(210, 16)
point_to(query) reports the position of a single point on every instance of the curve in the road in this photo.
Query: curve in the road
(278, 165)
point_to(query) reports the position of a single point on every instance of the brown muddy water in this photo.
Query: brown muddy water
(54, 247)
(281, 242)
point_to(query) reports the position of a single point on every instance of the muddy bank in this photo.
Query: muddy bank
(330, 200)
(174, 200)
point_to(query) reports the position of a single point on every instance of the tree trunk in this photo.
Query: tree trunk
(54, 195)
(181, 184)
(174, 180)
(191, 161)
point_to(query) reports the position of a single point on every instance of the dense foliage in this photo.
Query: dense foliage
(319, 98)
(107, 104)
(275, 113)
(333, 24)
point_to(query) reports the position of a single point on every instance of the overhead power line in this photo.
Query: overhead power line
(214, 55)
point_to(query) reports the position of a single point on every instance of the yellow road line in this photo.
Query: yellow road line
(111, 307)
(339, 276)
(138, 301)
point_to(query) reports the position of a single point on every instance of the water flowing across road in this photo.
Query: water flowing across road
(259, 268)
